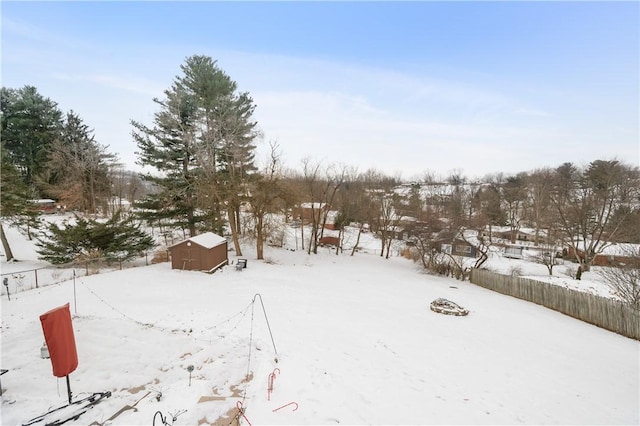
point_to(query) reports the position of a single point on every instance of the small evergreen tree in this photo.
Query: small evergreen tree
(115, 240)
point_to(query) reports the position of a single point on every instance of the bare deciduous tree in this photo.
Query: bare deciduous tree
(266, 189)
(321, 188)
(514, 196)
(77, 171)
(587, 202)
(385, 222)
(624, 280)
(547, 256)
(539, 184)
(311, 178)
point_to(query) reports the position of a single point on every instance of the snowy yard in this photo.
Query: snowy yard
(355, 343)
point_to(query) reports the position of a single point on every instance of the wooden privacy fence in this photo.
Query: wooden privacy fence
(606, 313)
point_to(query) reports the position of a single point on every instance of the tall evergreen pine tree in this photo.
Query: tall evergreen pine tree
(202, 142)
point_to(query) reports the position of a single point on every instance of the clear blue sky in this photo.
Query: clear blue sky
(405, 87)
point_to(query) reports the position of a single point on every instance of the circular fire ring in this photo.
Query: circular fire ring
(447, 307)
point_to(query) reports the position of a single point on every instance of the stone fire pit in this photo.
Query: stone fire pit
(447, 307)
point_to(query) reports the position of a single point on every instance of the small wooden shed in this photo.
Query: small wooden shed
(204, 252)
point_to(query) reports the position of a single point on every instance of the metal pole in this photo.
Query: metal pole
(5, 281)
(266, 319)
(75, 302)
(69, 389)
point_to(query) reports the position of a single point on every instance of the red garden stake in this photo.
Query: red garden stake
(286, 405)
(272, 378)
(239, 406)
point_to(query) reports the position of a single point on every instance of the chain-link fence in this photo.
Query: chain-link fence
(28, 279)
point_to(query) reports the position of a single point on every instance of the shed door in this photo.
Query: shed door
(189, 259)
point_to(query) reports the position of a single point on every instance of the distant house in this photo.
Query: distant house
(521, 234)
(406, 229)
(204, 252)
(513, 252)
(332, 215)
(499, 232)
(399, 233)
(450, 242)
(456, 247)
(612, 255)
(44, 205)
(329, 241)
(530, 234)
(306, 211)
(402, 228)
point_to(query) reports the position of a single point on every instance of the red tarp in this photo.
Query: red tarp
(58, 333)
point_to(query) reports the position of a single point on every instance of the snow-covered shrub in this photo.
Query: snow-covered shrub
(515, 271)
(570, 270)
(624, 280)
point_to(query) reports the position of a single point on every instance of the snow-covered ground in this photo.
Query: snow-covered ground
(354, 342)
(563, 274)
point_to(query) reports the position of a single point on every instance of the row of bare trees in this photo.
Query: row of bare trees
(201, 146)
(581, 208)
(586, 208)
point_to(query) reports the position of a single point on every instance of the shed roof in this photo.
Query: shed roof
(206, 240)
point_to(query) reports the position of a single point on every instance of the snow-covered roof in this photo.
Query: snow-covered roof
(314, 205)
(206, 240)
(523, 230)
(498, 229)
(532, 231)
(407, 219)
(331, 216)
(621, 249)
(611, 249)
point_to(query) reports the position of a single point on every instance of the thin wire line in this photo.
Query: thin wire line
(243, 313)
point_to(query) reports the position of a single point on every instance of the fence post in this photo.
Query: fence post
(36, 272)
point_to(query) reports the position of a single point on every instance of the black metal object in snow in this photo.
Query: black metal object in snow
(69, 389)
(163, 419)
(190, 369)
(2, 371)
(83, 405)
(241, 264)
(266, 319)
(5, 281)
